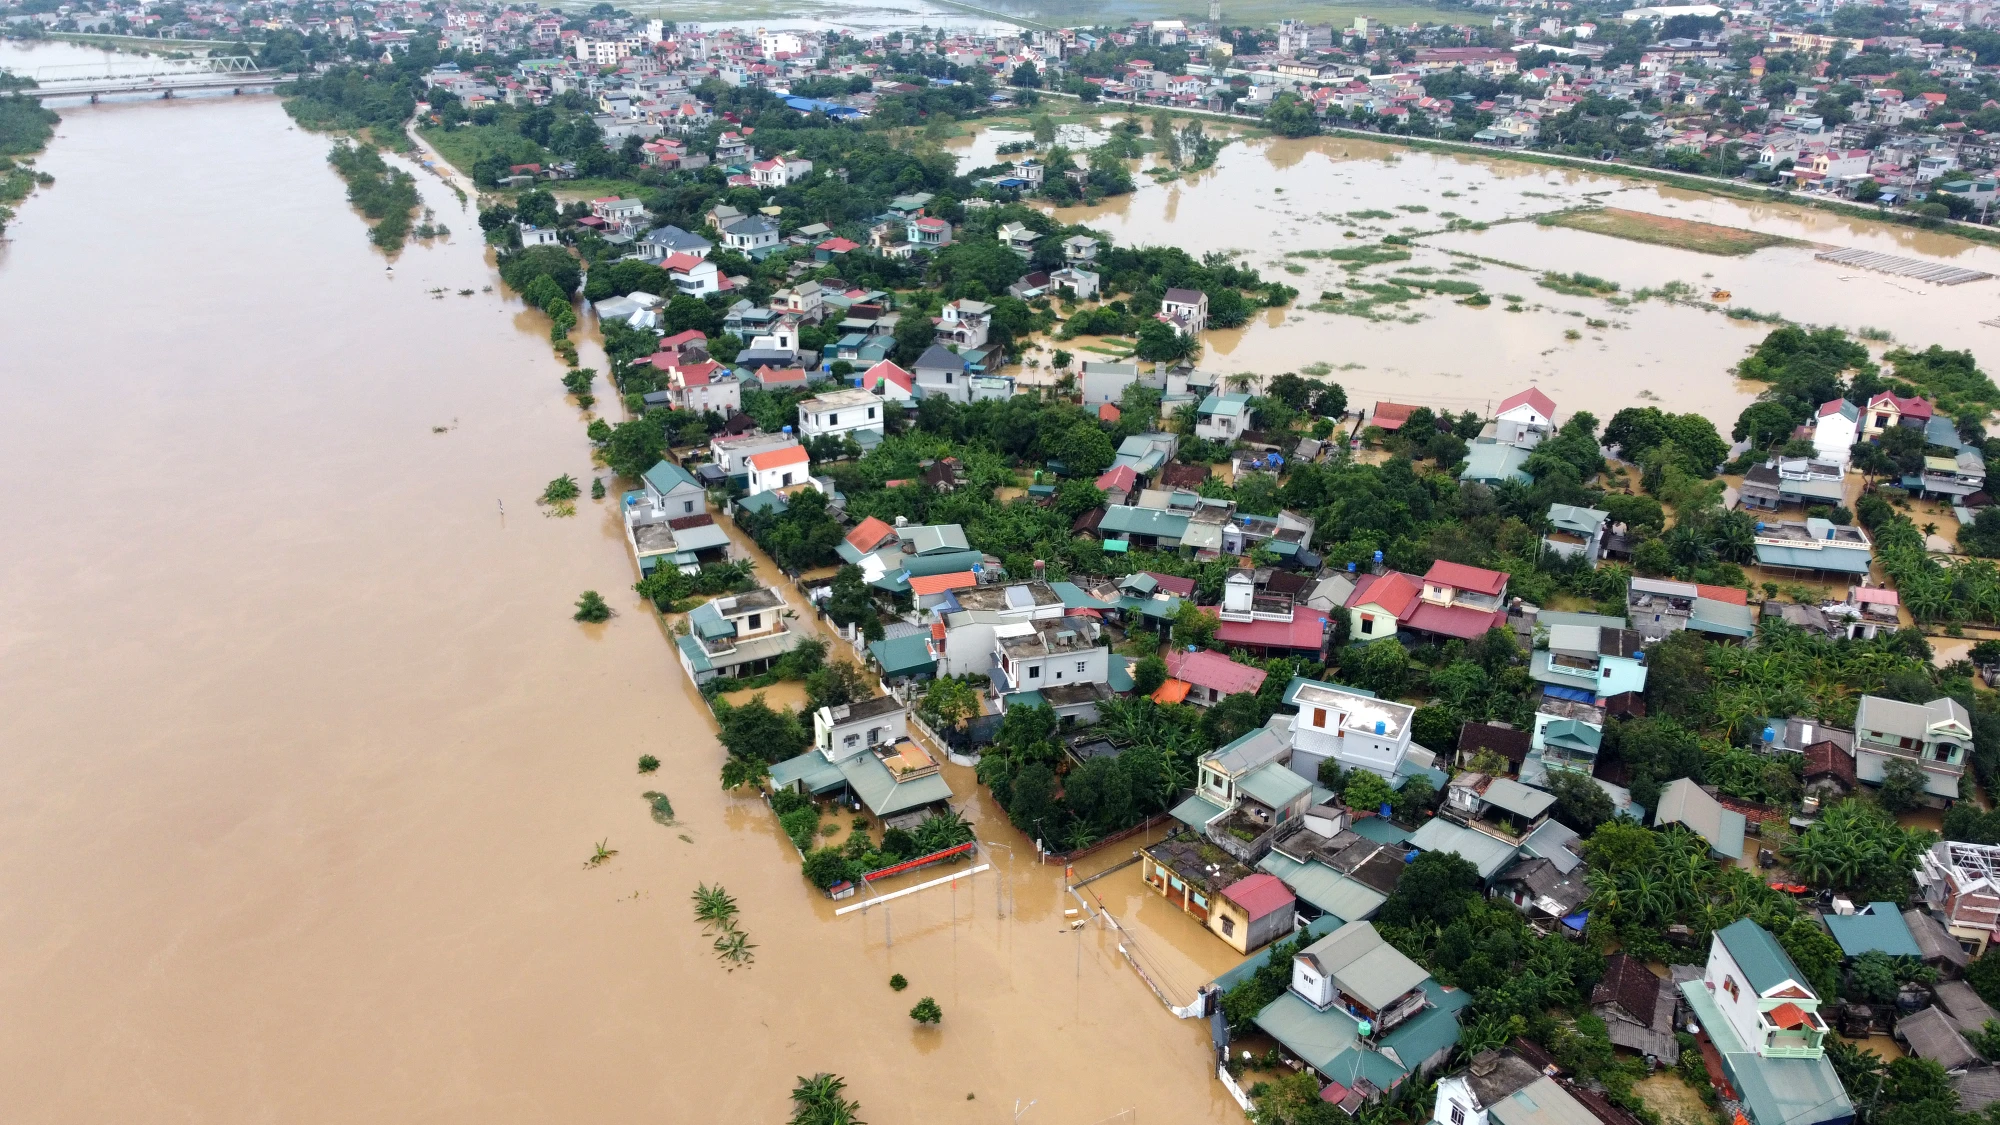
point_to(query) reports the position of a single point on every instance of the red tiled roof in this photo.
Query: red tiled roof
(1120, 479)
(681, 339)
(1171, 691)
(1543, 404)
(699, 519)
(1785, 1016)
(775, 458)
(782, 375)
(1107, 413)
(1913, 407)
(696, 374)
(939, 583)
(1393, 590)
(1179, 587)
(1458, 576)
(868, 534)
(838, 245)
(1183, 476)
(1875, 595)
(1214, 670)
(1460, 621)
(1262, 894)
(1391, 415)
(886, 369)
(1730, 594)
(1305, 632)
(683, 263)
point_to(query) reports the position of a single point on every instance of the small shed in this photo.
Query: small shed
(1929, 1034)
(1253, 911)
(1879, 928)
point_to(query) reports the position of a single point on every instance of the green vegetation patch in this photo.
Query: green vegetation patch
(386, 195)
(1659, 230)
(1577, 284)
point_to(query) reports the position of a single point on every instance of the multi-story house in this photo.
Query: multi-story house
(1459, 601)
(1056, 662)
(1836, 428)
(1887, 410)
(753, 234)
(1601, 660)
(1762, 1017)
(839, 413)
(928, 232)
(1525, 418)
(965, 322)
(1185, 311)
(1354, 729)
(1364, 1017)
(1935, 736)
(1577, 532)
(1222, 418)
(736, 635)
(970, 628)
(776, 470)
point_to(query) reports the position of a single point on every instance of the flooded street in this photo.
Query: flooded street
(306, 756)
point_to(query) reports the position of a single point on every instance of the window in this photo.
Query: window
(1081, 667)
(947, 378)
(687, 505)
(1368, 623)
(1035, 673)
(1457, 1115)
(833, 419)
(1729, 986)
(871, 412)
(1228, 926)
(756, 621)
(1319, 717)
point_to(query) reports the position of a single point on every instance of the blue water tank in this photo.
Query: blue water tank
(1378, 558)
(1384, 810)
(1770, 735)
(1350, 568)
(787, 430)
(1378, 726)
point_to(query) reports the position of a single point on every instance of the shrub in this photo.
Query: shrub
(825, 867)
(788, 800)
(927, 1011)
(898, 983)
(648, 763)
(590, 608)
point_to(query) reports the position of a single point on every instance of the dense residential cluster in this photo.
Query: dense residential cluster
(1516, 754)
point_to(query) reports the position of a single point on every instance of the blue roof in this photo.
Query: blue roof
(1833, 560)
(1495, 462)
(667, 476)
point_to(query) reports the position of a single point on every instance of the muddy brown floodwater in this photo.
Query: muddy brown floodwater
(1265, 199)
(304, 755)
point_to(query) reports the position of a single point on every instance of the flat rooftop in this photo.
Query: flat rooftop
(1359, 712)
(836, 400)
(766, 598)
(1015, 595)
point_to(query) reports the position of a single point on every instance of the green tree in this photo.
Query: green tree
(927, 1012)
(818, 1101)
(1289, 116)
(1902, 785)
(1580, 802)
(590, 608)
(1148, 674)
(1366, 790)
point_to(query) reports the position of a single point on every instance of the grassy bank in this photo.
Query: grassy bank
(25, 129)
(148, 45)
(1660, 230)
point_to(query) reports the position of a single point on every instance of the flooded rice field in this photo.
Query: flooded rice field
(1281, 204)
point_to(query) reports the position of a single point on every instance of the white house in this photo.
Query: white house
(851, 728)
(732, 454)
(1525, 418)
(779, 171)
(1936, 737)
(696, 276)
(1358, 731)
(969, 633)
(532, 235)
(838, 413)
(1835, 430)
(776, 469)
(1762, 1018)
(1048, 653)
(1185, 311)
(1501, 1088)
(1222, 417)
(965, 323)
(751, 233)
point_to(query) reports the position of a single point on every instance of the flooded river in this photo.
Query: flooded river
(304, 755)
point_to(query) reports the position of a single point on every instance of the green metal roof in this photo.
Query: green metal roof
(1117, 546)
(667, 476)
(1196, 811)
(1274, 784)
(1379, 830)
(707, 621)
(1316, 928)
(1726, 618)
(1118, 673)
(945, 562)
(1030, 698)
(1482, 851)
(1492, 461)
(1125, 519)
(1763, 961)
(773, 502)
(883, 794)
(1880, 929)
(932, 538)
(1161, 609)
(812, 768)
(1582, 521)
(1074, 597)
(904, 656)
(1316, 1037)
(1572, 734)
(1229, 405)
(1773, 1091)
(1429, 1031)
(1320, 886)
(697, 659)
(1833, 560)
